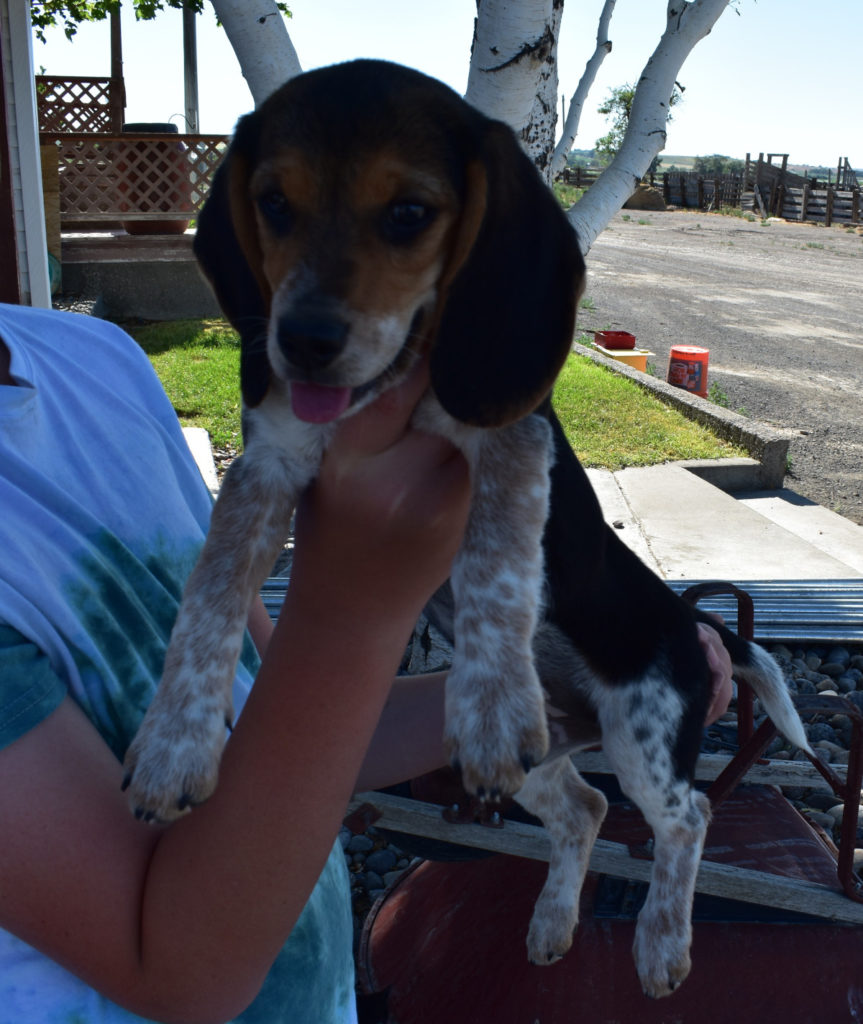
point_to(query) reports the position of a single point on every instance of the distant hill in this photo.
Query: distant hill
(588, 158)
(680, 163)
(582, 158)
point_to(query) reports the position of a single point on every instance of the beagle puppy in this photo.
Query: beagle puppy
(363, 216)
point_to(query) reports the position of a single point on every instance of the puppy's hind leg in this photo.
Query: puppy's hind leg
(639, 745)
(572, 813)
(663, 934)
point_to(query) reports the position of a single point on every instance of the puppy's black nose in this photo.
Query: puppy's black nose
(311, 341)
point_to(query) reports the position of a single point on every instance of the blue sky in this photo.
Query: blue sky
(780, 76)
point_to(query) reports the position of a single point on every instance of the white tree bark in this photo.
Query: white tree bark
(260, 39)
(513, 77)
(512, 41)
(585, 84)
(688, 23)
(538, 135)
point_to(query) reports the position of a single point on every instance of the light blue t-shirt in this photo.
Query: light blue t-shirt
(102, 515)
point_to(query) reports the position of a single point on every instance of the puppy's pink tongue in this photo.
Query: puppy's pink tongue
(315, 403)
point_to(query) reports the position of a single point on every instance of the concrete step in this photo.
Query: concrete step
(819, 526)
(688, 529)
(148, 277)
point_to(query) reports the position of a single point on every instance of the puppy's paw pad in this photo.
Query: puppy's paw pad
(490, 769)
(549, 937)
(663, 969)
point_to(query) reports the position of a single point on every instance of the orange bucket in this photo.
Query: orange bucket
(687, 368)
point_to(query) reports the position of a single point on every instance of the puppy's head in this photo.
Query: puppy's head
(365, 213)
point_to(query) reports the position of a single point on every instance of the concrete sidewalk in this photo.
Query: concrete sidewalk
(685, 528)
(803, 563)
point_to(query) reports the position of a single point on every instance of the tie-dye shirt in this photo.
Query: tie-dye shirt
(102, 514)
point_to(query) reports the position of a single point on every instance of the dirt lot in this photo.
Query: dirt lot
(779, 306)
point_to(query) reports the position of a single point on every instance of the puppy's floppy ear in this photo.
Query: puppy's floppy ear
(509, 295)
(227, 248)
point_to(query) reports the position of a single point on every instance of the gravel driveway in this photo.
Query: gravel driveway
(779, 306)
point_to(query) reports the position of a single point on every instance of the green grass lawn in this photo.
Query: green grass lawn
(198, 363)
(610, 422)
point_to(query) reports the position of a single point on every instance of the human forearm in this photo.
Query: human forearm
(183, 923)
(216, 921)
(408, 739)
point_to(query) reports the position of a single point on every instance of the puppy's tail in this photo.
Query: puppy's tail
(755, 666)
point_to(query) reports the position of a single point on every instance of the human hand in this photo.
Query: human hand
(719, 663)
(388, 510)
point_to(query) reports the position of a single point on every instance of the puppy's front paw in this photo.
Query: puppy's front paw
(173, 762)
(495, 732)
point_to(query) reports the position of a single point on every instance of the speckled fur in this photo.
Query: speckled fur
(639, 720)
(342, 273)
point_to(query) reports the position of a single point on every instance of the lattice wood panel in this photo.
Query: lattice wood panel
(74, 104)
(134, 177)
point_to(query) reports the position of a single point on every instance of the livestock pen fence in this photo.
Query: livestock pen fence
(765, 188)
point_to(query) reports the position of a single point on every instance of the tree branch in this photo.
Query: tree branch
(576, 104)
(688, 23)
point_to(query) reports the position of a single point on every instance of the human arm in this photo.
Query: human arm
(183, 923)
(719, 663)
(260, 626)
(408, 740)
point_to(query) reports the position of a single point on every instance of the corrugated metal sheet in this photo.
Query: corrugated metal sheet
(818, 610)
(824, 610)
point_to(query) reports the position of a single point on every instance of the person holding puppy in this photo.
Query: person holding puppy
(239, 910)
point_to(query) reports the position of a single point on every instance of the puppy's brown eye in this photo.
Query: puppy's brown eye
(403, 221)
(276, 210)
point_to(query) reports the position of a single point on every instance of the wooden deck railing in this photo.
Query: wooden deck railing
(128, 177)
(71, 103)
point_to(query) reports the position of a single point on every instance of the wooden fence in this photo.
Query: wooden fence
(105, 174)
(75, 104)
(684, 189)
(581, 177)
(764, 188)
(133, 176)
(696, 191)
(826, 205)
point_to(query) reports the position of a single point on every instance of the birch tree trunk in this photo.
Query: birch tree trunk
(513, 77)
(538, 134)
(261, 42)
(688, 23)
(512, 41)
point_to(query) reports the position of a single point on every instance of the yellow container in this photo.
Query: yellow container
(634, 357)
